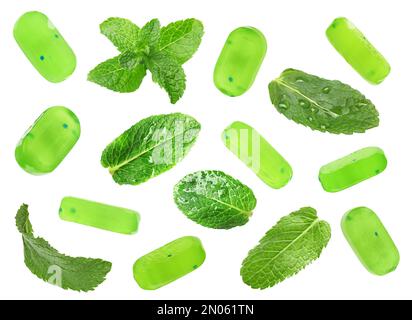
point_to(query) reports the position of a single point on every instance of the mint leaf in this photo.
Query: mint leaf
(121, 74)
(22, 221)
(214, 200)
(168, 73)
(323, 105)
(122, 32)
(130, 60)
(297, 240)
(79, 274)
(149, 148)
(181, 39)
(149, 36)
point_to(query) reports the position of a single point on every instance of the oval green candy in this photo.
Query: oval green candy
(169, 263)
(240, 61)
(352, 169)
(45, 145)
(253, 150)
(99, 215)
(358, 51)
(370, 241)
(44, 46)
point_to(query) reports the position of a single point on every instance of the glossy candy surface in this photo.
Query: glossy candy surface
(99, 215)
(352, 169)
(370, 241)
(169, 263)
(253, 150)
(358, 51)
(49, 140)
(44, 46)
(240, 61)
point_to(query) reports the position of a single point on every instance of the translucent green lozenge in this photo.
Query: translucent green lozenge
(352, 169)
(50, 139)
(253, 150)
(44, 46)
(370, 241)
(99, 215)
(169, 263)
(240, 61)
(358, 51)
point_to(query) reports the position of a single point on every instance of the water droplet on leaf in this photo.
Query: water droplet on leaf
(326, 90)
(303, 103)
(284, 105)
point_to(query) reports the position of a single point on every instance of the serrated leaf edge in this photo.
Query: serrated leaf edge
(317, 221)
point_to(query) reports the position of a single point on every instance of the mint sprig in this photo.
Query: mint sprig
(162, 51)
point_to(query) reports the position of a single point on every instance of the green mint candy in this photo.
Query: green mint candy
(240, 61)
(352, 169)
(49, 140)
(44, 46)
(358, 51)
(99, 215)
(370, 241)
(253, 150)
(169, 263)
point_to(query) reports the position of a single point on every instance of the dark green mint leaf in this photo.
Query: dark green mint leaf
(79, 274)
(151, 147)
(215, 200)
(323, 105)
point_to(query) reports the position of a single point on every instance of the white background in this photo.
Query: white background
(295, 31)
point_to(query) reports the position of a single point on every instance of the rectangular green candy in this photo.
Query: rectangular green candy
(240, 61)
(253, 150)
(169, 263)
(99, 215)
(370, 241)
(358, 51)
(352, 169)
(48, 141)
(44, 46)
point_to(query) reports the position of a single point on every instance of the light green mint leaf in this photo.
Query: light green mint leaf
(79, 274)
(168, 73)
(149, 148)
(215, 200)
(122, 32)
(291, 245)
(130, 60)
(323, 105)
(121, 74)
(181, 39)
(149, 36)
